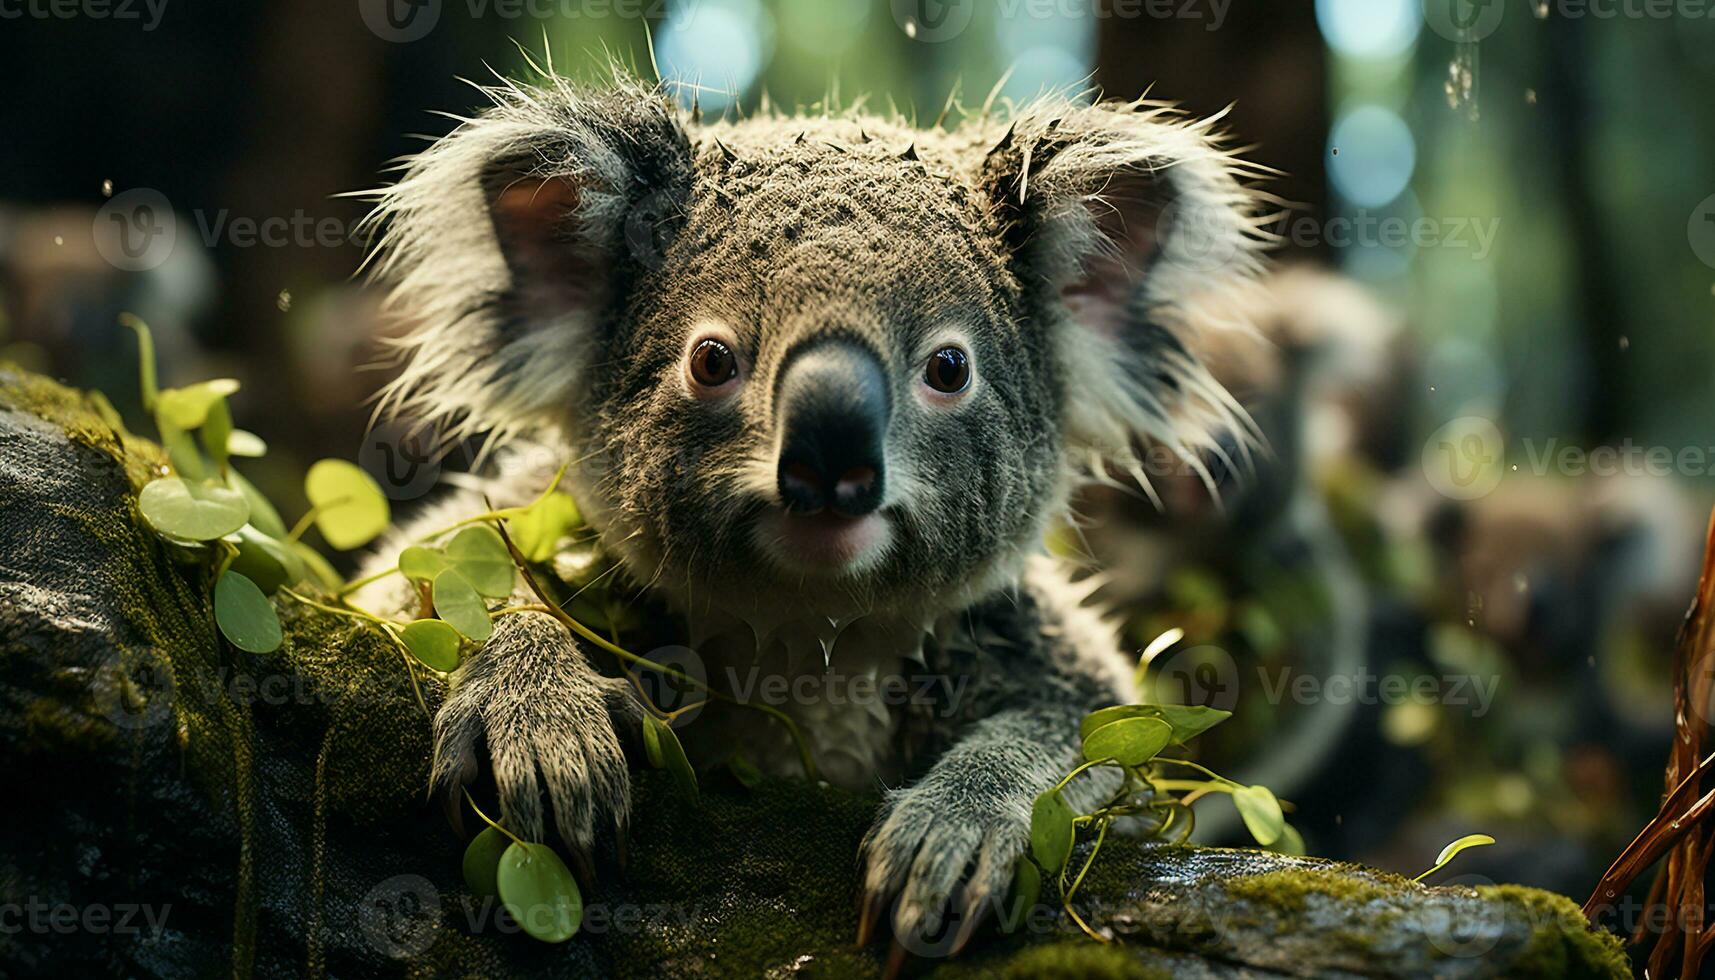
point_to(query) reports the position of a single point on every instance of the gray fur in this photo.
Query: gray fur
(1051, 243)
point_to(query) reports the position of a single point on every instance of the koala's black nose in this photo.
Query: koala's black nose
(833, 409)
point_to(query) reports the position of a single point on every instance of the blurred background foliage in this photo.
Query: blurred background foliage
(1585, 142)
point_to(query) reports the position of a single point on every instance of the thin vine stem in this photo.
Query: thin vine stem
(515, 838)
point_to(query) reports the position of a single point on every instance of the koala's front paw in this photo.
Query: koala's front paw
(539, 706)
(943, 853)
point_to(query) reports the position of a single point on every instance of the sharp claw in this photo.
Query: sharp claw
(971, 915)
(895, 961)
(582, 867)
(453, 803)
(872, 905)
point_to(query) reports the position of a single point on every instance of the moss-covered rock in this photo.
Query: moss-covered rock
(245, 814)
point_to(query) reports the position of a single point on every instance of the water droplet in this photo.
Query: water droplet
(1530, 96)
(107, 188)
(1625, 342)
(284, 300)
(59, 240)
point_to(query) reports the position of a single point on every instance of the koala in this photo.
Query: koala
(824, 383)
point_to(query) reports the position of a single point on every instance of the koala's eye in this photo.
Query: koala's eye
(713, 363)
(948, 370)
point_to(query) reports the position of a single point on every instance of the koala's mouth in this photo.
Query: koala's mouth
(824, 543)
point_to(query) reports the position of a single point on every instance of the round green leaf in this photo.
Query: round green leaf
(194, 511)
(187, 408)
(460, 606)
(1051, 831)
(1187, 721)
(1130, 741)
(1026, 889)
(540, 892)
(542, 525)
(417, 562)
(482, 862)
(248, 444)
(265, 561)
(245, 615)
(434, 643)
(1261, 813)
(481, 557)
(350, 507)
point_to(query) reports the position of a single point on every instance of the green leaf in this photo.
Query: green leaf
(460, 606)
(245, 615)
(1187, 722)
(216, 431)
(262, 513)
(247, 444)
(265, 561)
(1130, 741)
(539, 892)
(1026, 889)
(1261, 813)
(1452, 850)
(418, 562)
(1051, 831)
(481, 557)
(318, 566)
(193, 511)
(1291, 842)
(541, 526)
(482, 862)
(652, 741)
(145, 359)
(434, 643)
(667, 753)
(182, 452)
(350, 507)
(187, 408)
(744, 770)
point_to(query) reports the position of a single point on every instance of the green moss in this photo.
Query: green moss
(1563, 944)
(1070, 959)
(1290, 891)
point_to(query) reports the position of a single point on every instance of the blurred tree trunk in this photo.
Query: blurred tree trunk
(1267, 58)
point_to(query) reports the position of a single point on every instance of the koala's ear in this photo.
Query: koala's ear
(509, 243)
(1122, 223)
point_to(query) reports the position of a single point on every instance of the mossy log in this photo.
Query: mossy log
(180, 808)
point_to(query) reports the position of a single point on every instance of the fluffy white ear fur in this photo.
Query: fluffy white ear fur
(1132, 217)
(499, 242)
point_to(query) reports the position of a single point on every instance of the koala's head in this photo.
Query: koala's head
(831, 355)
